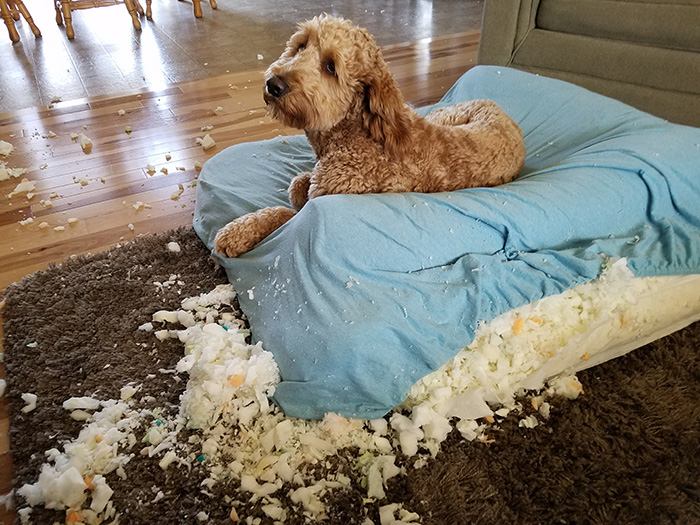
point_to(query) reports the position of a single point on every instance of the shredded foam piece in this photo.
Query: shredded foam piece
(6, 148)
(176, 195)
(6, 173)
(121, 112)
(3, 386)
(138, 205)
(387, 515)
(85, 143)
(206, 142)
(173, 247)
(30, 402)
(82, 403)
(25, 186)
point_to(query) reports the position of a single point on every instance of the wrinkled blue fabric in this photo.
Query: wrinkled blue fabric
(359, 296)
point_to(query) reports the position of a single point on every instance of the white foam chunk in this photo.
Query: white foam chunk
(6, 173)
(207, 142)
(128, 391)
(84, 403)
(85, 143)
(101, 493)
(6, 148)
(23, 187)
(30, 400)
(167, 460)
(162, 316)
(57, 490)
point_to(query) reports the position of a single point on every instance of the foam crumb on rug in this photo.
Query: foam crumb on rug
(167, 418)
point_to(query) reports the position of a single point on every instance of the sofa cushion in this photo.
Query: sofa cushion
(668, 24)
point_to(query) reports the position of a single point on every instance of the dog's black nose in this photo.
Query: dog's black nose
(277, 87)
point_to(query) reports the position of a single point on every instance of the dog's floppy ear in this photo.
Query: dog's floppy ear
(384, 114)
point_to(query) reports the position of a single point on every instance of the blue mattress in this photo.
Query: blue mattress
(359, 296)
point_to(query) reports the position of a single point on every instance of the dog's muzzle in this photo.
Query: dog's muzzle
(276, 87)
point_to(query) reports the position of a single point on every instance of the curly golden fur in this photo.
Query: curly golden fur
(332, 82)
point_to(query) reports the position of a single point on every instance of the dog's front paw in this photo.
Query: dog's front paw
(299, 190)
(240, 235)
(234, 239)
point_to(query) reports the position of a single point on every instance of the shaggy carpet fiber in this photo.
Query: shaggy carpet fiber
(627, 451)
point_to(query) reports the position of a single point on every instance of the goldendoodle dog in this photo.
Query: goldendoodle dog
(332, 82)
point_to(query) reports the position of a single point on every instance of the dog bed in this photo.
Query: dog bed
(361, 296)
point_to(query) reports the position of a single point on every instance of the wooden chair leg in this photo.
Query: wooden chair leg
(9, 22)
(212, 3)
(13, 9)
(59, 16)
(132, 11)
(137, 6)
(197, 8)
(25, 13)
(149, 13)
(65, 7)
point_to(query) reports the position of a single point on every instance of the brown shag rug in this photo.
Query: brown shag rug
(625, 452)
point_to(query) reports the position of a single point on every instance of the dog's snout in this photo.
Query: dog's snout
(277, 87)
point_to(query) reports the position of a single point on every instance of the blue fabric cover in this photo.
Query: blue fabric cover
(359, 296)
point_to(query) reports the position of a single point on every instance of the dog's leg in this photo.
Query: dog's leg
(240, 235)
(299, 190)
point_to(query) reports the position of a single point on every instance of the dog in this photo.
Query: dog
(332, 82)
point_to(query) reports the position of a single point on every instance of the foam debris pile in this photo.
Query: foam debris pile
(231, 427)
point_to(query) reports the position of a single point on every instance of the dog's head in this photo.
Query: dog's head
(330, 71)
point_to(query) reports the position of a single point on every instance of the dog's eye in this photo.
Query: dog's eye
(330, 67)
(301, 47)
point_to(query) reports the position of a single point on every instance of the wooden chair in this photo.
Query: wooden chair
(11, 9)
(198, 7)
(65, 7)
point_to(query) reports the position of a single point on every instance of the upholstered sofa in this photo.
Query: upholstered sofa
(645, 53)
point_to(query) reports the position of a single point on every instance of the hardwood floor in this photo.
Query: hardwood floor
(102, 189)
(109, 56)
